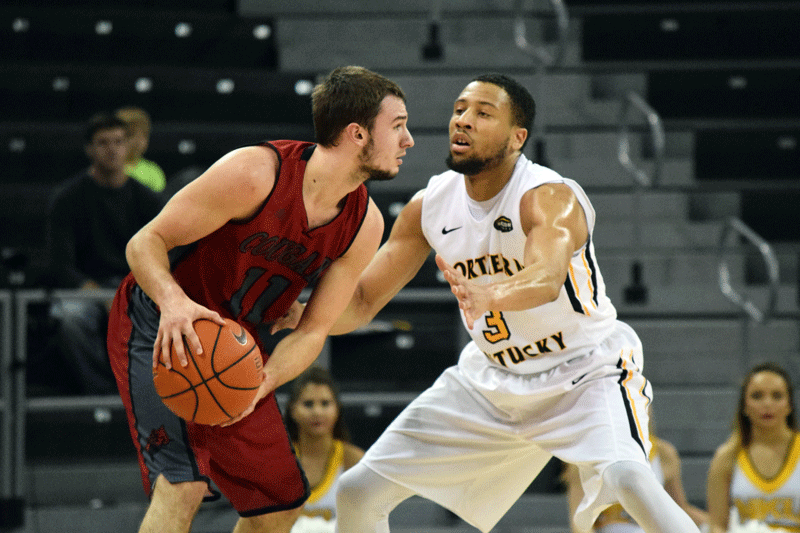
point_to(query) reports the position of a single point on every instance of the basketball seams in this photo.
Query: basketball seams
(204, 380)
(218, 375)
(198, 403)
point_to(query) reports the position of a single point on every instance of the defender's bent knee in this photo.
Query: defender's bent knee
(629, 477)
(365, 499)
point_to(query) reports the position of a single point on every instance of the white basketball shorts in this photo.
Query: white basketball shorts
(476, 439)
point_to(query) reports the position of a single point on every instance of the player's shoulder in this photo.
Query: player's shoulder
(373, 215)
(258, 154)
(256, 165)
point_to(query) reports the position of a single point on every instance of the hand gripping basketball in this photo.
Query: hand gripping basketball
(218, 384)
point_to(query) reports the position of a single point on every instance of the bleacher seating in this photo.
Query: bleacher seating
(138, 37)
(673, 33)
(66, 92)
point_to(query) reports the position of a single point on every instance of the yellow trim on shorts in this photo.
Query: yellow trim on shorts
(630, 396)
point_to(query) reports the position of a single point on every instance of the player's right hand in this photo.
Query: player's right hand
(177, 323)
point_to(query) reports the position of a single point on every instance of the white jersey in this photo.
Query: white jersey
(485, 241)
(775, 501)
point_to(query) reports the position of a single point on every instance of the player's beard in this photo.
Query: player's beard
(469, 166)
(374, 173)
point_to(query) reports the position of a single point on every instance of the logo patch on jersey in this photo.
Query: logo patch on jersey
(445, 231)
(503, 224)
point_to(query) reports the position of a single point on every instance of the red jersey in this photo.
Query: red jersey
(252, 271)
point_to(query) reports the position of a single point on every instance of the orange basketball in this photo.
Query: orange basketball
(219, 383)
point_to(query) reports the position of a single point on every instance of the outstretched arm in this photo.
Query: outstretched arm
(395, 264)
(556, 228)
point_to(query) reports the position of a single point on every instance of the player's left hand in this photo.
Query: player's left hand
(473, 299)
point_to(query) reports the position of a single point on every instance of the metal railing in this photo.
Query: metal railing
(543, 59)
(23, 299)
(642, 178)
(541, 54)
(6, 398)
(15, 404)
(640, 175)
(751, 310)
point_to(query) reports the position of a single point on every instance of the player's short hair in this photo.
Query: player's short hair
(100, 122)
(346, 95)
(523, 107)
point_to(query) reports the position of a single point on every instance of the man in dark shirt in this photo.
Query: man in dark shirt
(91, 219)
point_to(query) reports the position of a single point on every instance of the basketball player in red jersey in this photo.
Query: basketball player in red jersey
(241, 241)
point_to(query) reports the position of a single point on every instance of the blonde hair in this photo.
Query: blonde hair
(135, 118)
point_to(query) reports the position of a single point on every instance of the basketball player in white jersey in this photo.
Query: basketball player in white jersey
(549, 371)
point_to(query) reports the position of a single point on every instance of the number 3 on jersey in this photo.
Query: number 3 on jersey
(498, 329)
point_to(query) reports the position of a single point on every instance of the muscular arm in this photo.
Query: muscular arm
(556, 228)
(395, 264)
(232, 188)
(719, 484)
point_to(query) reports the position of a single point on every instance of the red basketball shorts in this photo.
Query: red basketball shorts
(251, 462)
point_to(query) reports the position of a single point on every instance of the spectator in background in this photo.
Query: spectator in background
(321, 441)
(757, 470)
(143, 170)
(91, 218)
(666, 464)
